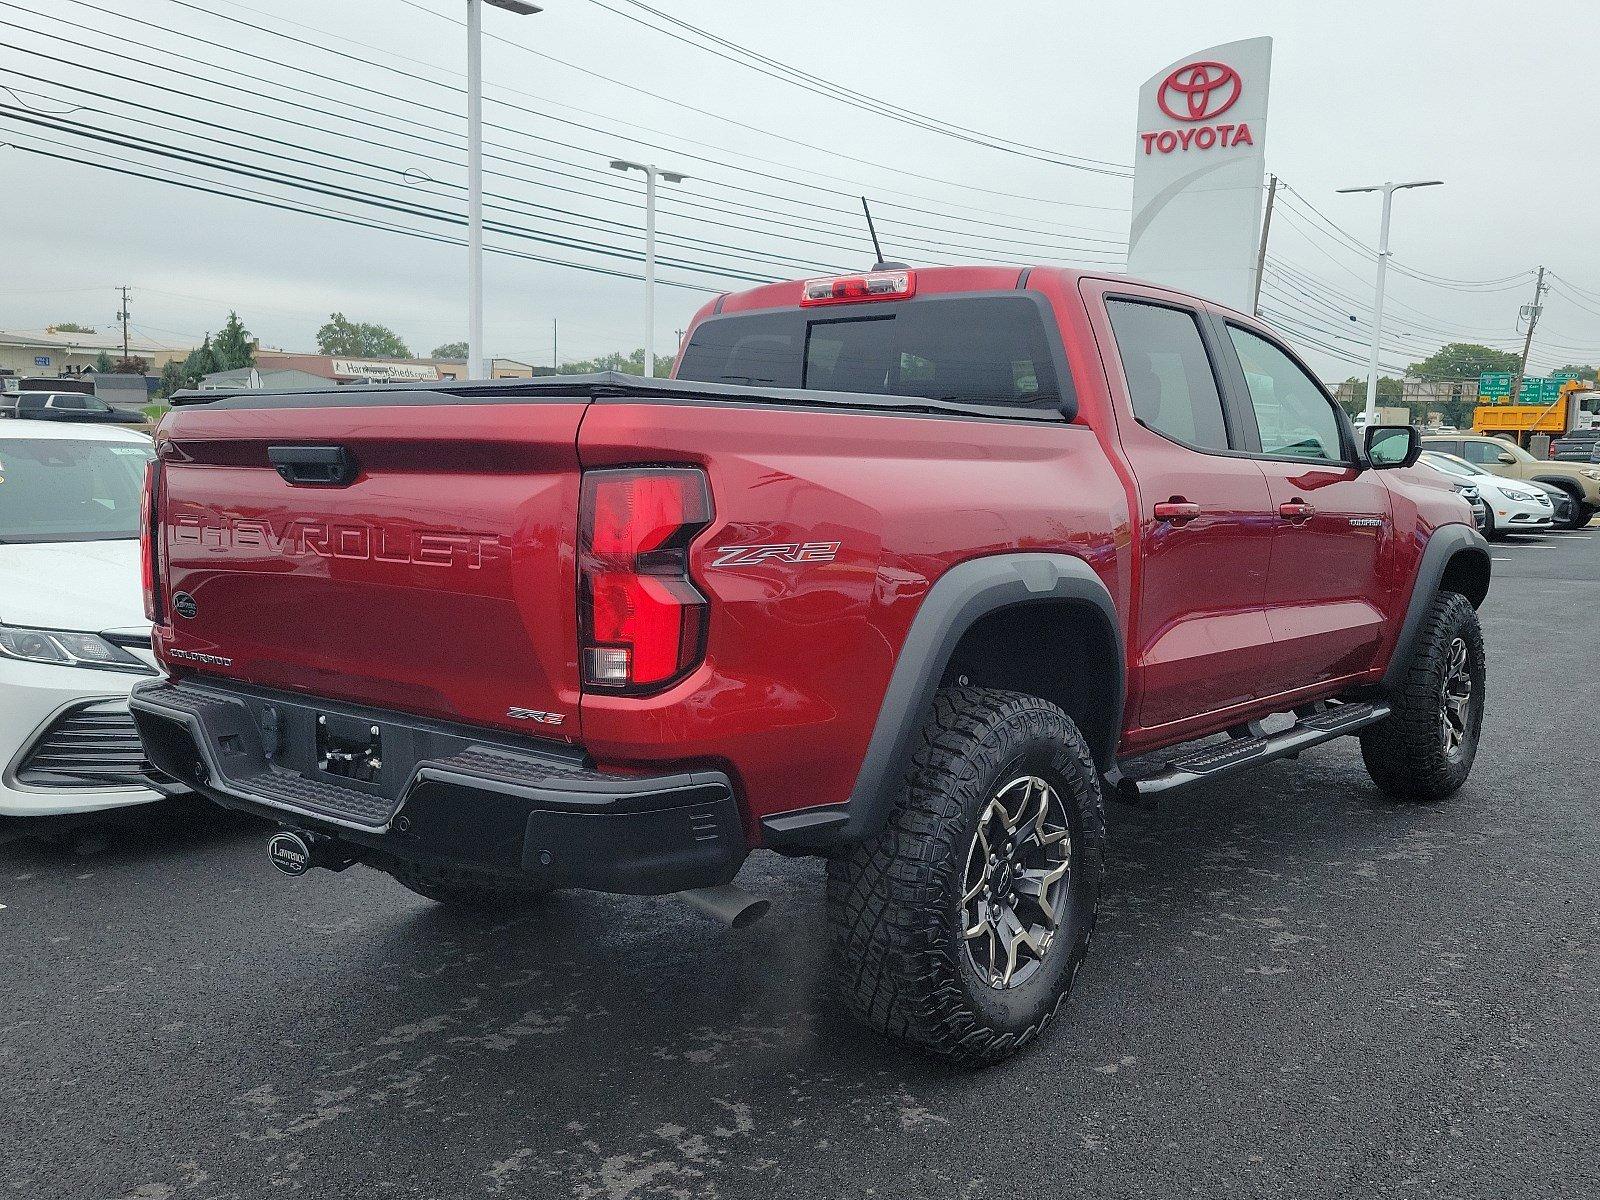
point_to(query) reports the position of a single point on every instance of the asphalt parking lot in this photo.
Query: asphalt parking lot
(1301, 989)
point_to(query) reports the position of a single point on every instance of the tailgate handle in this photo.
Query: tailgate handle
(314, 466)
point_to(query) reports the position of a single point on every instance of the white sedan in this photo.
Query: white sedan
(1514, 505)
(73, 634)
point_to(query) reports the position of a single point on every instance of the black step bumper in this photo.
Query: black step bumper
(446, 796)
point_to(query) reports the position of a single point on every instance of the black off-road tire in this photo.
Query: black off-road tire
(1491, 531)
(895, 902)
(1581, 512)
(1408, 754)
(460, 890)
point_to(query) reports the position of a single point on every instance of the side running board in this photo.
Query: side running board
(1144, 780)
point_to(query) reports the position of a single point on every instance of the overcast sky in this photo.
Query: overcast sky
(1472, 93)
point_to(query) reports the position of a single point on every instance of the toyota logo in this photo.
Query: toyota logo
(1199, 91)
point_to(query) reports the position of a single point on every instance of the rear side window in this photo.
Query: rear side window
(984, 350)
(1170, 380)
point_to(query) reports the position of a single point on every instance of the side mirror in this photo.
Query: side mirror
(1509, 459)
(1390, 446)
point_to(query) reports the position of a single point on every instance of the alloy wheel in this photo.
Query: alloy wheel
(1456, 709)
(1016, 882)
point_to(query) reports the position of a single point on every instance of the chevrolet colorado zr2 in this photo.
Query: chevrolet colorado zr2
(912, 570)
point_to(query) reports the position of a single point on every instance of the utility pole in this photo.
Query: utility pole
(1533, 311)
(123, 317)
(1388, 190)
(651, 174)
(475, 173)
(1261, 255)
(555, 352)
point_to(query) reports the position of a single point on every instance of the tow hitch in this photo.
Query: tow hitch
(295, 853)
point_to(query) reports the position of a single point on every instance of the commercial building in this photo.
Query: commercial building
(50, 352)
(350, 369)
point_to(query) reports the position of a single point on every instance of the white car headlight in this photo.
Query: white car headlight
(1519, 495)
(67, 649)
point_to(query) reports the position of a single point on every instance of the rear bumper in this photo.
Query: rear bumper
(446, 797)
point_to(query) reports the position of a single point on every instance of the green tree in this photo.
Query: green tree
(202, 361)
(234, 347)
(1463, 360)
(69, 327)
(1352, 393)
(452, 350)
(625, 364)
(1581, 371)
(172, 380)
(102, 363)
(341, 336)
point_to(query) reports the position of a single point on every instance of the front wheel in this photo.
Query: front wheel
(1580, 516)
(960, 926)
(1424, 750)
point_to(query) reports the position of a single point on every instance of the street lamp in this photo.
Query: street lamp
(651, 172)
(1388, 190)
(475, 173)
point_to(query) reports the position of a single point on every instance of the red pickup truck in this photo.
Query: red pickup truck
(912, 570)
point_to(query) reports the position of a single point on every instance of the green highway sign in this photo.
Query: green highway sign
(1494, 385)
(1539, 391)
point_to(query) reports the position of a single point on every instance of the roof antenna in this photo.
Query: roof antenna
(880, 265)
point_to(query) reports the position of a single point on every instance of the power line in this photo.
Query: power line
(1444, 281)
(762, 214)
(365, 61)
(191, 183)
(764, 65)
(833, 151)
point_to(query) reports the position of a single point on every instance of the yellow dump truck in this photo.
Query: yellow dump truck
(1576, 407)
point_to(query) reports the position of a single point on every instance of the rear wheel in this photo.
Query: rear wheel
(960, 926)
(1424, 750)
(464, 891)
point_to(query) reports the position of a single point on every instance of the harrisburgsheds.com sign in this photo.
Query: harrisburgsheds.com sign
(1198, 165)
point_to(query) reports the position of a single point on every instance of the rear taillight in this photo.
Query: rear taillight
(149, 554)
(643, 622)
(851, 289)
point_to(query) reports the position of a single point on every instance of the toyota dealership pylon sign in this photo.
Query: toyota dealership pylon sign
(1199, 159)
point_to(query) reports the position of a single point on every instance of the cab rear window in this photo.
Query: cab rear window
(985, 350)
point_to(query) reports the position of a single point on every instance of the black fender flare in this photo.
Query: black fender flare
(1568, 485)
(957, 600)
(1447, 541)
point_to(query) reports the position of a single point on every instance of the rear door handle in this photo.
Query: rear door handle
(314, 466)
(1176, 510)
(1296, 511)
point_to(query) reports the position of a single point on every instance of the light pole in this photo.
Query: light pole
(475, 173)
(1388, 190)
(651, 172)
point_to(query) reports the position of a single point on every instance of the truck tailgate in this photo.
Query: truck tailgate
(439, 580)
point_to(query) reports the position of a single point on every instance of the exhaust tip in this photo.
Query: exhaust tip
(728, 903)
(750, 913)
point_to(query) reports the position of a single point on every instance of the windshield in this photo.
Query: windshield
(988, 349)
(61, 490)
(1516, 451)
(1450, 466)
